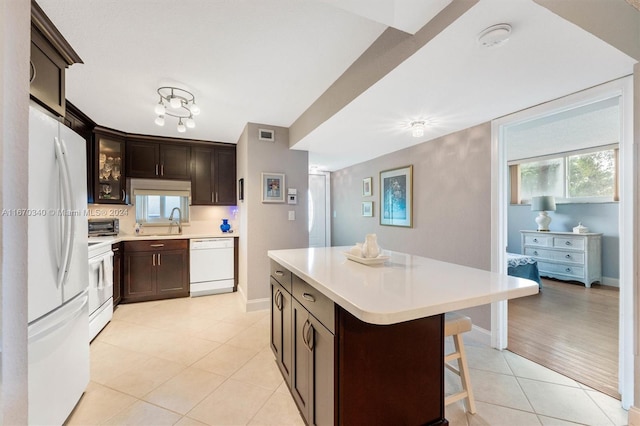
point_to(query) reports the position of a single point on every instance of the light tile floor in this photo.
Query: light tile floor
(203, 361)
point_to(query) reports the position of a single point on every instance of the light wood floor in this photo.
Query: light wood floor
(570, 329)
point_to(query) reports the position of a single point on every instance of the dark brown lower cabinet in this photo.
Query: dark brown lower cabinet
(117, 272)
(345, 371)
(281, 328)
(155, 269)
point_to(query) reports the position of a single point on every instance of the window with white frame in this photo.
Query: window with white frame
(579, 176)
(154, 207)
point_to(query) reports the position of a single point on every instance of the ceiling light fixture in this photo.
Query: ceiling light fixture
(178, 103)
(495, 35)
(417, 129)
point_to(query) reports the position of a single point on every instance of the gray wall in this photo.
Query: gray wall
(598, 217)
(265, 226)
(451, 211)
(14, 125)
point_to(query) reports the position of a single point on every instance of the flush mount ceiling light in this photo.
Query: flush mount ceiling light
(417, 128)
(178, 103)
(495, 35)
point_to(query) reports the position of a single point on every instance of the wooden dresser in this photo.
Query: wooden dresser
(565, 255)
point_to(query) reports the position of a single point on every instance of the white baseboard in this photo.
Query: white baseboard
(611, 282)
(258, 304)
(634, 416)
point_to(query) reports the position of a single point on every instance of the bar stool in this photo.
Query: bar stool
(454, 325)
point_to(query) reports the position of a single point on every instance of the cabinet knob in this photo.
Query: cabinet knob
(124, 195)
(279, 273)
(153, 259)
(33, 72)
(156, 245)
(535, 253)
(309, 297)
(568, 243)
(535, 240)
(156, 170)
(568, 256)
(568, 270)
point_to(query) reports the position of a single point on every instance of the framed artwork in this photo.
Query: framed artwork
(367, 208)
(367, 189)
(396, 197)
(241, 189)
(273, 187)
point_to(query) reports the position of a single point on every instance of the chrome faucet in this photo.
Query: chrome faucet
(179, 219)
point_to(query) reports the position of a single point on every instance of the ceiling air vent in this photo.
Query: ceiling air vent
(266, 135)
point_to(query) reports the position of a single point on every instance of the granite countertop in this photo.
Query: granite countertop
(403, 288)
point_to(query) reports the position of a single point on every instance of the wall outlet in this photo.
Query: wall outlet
(292, 215)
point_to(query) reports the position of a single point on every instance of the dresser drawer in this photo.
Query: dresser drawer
(576, 272)
(569, 243)
(319, 305)
(538, 240)
(555, 255)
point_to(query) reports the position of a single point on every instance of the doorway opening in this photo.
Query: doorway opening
(618, 92)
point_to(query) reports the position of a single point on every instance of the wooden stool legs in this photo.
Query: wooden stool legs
(455, 325)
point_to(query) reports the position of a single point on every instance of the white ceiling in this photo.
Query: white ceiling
(266, 61)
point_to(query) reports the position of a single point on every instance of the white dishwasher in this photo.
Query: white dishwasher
(211, 266)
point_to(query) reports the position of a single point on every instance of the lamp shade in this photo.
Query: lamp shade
(543, 203)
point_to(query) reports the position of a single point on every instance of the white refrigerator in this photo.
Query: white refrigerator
(58, 315)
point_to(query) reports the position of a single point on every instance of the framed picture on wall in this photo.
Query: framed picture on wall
(241, 189)
(273, 187)
(367, 189)
(367, 208)
(396, 197)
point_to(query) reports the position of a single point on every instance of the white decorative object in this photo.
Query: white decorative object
(356, 250)
(367, 261)
(370, 248)
(565, 255)
(580, 229)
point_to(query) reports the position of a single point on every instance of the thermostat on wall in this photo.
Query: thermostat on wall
(266, 135)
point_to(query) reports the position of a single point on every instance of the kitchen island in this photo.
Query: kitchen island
(364, 344)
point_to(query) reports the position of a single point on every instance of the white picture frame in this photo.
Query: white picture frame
(273, 188)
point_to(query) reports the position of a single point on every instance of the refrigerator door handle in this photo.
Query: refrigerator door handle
(70, 212)
(66, 241)
(41, 334)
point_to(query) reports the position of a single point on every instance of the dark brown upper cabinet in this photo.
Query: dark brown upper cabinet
(51, 55)
(146, 159)
(109, 175)
(213, 176)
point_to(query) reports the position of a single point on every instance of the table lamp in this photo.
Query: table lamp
(543, 204)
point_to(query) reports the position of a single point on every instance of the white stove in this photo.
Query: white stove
(100, 286)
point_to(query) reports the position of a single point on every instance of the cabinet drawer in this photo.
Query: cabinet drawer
(281, 274)
(156, 245)
(576, 272)
(569, 243)
(537, 240)
(319, 305)
(555, 255)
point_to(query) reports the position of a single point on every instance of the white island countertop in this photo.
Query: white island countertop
(403, 288)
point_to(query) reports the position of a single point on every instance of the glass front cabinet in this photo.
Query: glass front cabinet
(109, 161)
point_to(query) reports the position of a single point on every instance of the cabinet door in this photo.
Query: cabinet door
(321, 374)
(172, 273)
(281, 328)
(301, 361)
(312, 379)
(143, 159)
(202, 192)
(117, 273)
(175, 162)
(109, 175)
(139, 275)
(225, 176)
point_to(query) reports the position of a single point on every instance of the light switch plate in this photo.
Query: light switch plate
(292, 215)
